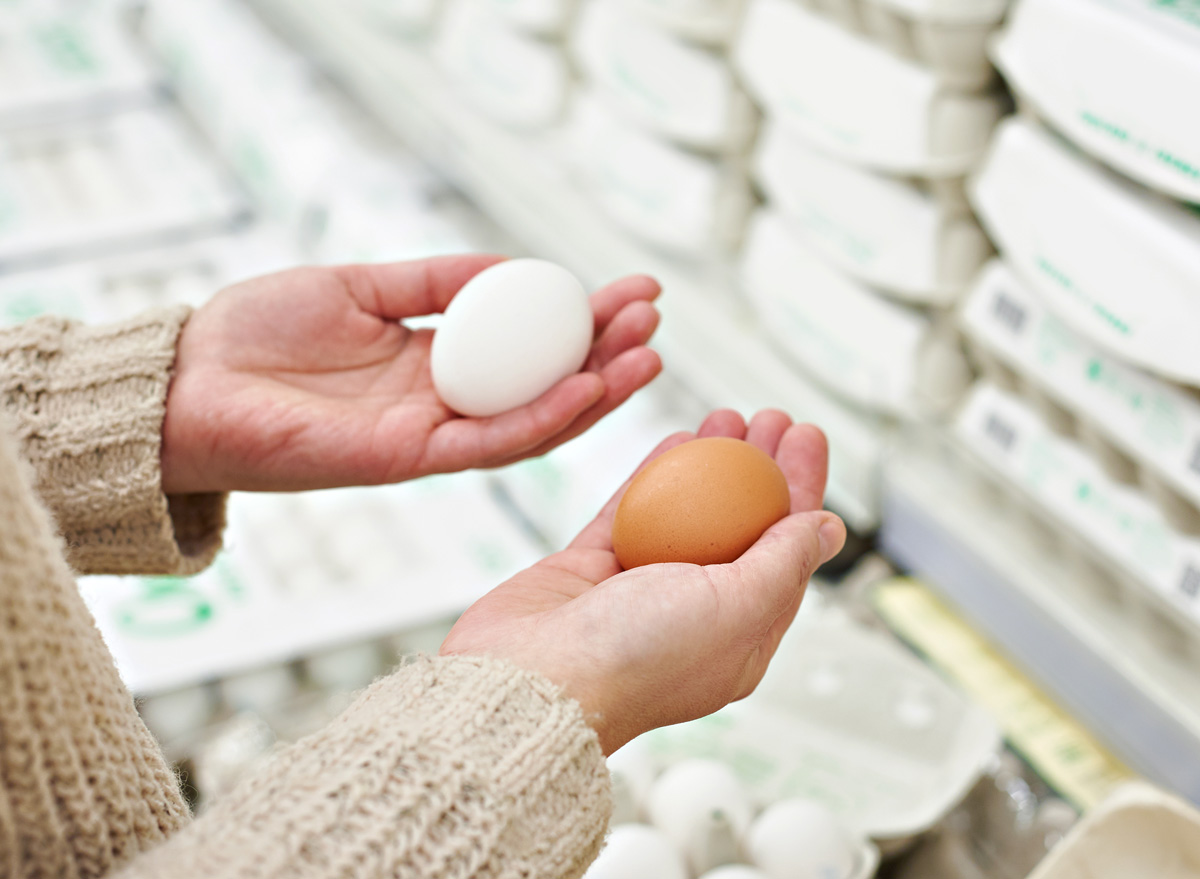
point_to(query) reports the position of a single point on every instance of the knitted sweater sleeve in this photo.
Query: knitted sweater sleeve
(87, 405)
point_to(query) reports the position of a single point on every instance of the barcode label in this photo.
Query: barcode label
(1000, 432)
(1189, 583)
(1194, 461)
(1009, 313)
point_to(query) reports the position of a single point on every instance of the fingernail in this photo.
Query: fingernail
(830, 536)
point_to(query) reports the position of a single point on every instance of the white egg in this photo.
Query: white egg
(801, 839)
(632, 768)
(509, 335)
(703, 809)
(735, 871)
(635, 851)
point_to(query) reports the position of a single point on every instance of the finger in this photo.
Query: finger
(608, 301)
(598, 533)
(803, 456)
(767, 428)
(461, 443)
(630, 328)
(723, 422)
(398, 290)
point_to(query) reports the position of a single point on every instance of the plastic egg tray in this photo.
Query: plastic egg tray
(856, 101)
(683, 92)
(1119, 79)
(911, 243)
(1140, 429)
(1121, 544)
(1119, 263)
(877, 353)
(705, 22)
(670, 198)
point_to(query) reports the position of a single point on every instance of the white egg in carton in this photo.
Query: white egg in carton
(1119, 263)
(1139, 428)
(1124, 549)
(875, 352)
(135, 178)
(511, 76)
(682, 92)
(856, 101)
(1119, 79)
(887, 231)
(671, 198)
(704, 22)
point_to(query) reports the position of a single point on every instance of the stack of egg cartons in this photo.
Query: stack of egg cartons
(661, 127)
(1087, 328)
(873, 115)
(506, 58)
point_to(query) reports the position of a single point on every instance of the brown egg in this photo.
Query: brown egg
(704, 502)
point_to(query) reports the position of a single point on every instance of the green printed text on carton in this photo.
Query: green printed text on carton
(1122, 135)
(1064, 281)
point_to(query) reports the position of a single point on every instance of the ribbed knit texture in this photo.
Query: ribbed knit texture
(87, 407)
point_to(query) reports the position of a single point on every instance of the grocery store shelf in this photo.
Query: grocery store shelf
(708, 338)
(940, 522)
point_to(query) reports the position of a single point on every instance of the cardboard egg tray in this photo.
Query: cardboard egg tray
(685, 93)
(917, 243)
(860, 103)
(1140, 429)
(1115, 539)
(876, 353)
(950, 39)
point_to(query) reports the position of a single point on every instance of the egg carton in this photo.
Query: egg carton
(670, 198)
(1118, 543)
(682, 92)
(1140, 429)
(856, 101)
(1117, 262)
(704, 22)
(1139, 831)
(550, 19)
(1118, 79)
(847, 717)
(131, 179)
(874, 352)
(913, 244)
(508, 75)
(413, 20)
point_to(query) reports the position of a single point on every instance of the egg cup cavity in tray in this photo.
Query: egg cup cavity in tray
(850, 98)
(671, 198)
(874, 352)
(1151, 571)
(704, 22)
(882, 230)
(1119, 79)
(514, 78)
(682, 92)
(1139, 428)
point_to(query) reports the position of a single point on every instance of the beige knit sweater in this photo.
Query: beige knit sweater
(447, 768)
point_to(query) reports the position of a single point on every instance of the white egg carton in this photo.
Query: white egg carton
(877, 353)
(1138, 831)
(1111, 531)
(885, 231)
(704, 22)
(848, 717)
(683, 92)
(543, 18)
(1120, 264)
(856, 101)
(511, 76)
(671, 198)
(409, 19)
(58, 65)
(1119, 78)
(1139, 428)
(131, 179)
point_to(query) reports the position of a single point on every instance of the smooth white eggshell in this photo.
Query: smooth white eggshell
(801, 839)
(636, 851)
(633, 770)
(509, 335)
(702, 807)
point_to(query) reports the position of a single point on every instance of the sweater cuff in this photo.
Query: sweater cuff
(87, 406)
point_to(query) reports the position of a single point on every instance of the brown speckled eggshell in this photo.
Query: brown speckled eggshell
(704, 502)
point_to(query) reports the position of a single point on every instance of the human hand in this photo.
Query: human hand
(307, 379)
(662, 644)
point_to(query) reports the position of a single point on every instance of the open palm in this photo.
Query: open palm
(308, 379)
(661, 644)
